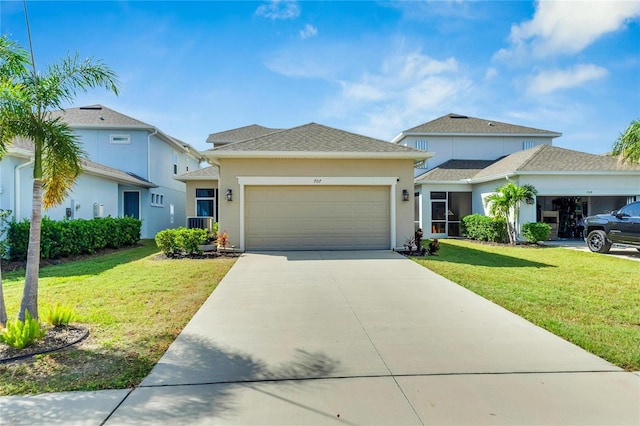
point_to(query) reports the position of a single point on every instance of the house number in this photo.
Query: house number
(317, 181)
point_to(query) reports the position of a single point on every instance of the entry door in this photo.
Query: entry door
(131, 204)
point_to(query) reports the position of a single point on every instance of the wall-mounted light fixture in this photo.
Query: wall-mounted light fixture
(229, 195)
(405, 195)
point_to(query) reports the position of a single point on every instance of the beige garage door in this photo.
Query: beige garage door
(317, 217)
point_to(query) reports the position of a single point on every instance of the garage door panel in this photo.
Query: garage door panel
(307, 218)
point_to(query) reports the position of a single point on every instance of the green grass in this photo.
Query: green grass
(586, 298)
(134, 303)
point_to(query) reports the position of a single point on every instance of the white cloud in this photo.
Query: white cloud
(549, 81)
(278, 9)
(567, 27)
(308, 31)
(491, 73)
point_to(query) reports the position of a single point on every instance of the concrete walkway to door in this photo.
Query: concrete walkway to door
(368, 338)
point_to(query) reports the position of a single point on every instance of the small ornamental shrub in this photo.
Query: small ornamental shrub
(484, 228)
(223, 239)
(433, 247)
(536, 231)
(20, 334)
(58, 315)
(173, 242)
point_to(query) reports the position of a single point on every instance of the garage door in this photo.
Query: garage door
(317, 217)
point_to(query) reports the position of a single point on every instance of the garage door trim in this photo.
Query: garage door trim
(321, 181)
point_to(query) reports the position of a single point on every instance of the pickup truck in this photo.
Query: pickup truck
(620, 227)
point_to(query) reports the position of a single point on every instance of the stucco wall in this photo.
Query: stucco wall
(230, 169)
(190, 206)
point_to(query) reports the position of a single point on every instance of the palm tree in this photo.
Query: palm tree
(505, 203)
(26, 101)
(627, 146)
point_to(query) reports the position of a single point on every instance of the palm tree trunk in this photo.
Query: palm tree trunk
(30, 294)
(3, 309)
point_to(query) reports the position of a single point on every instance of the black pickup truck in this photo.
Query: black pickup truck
(619, 227)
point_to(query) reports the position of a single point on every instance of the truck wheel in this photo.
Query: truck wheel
(597, 241)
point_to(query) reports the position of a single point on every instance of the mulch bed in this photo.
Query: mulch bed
(56, 338)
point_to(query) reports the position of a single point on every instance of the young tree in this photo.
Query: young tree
(627, 146)
(505, 203)
(3, 247)
(26, 101)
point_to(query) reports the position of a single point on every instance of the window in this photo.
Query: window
(423, 145)
(206, 202)
(157, 200)
(528, 144)
(175, 163)
(120, 139)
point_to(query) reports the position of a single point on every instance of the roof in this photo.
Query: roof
(240, 134)
(315, 141)
(456, 124)
(205, 173)
(89, 167)
(542, 159)
(98, 116)
(455, 170)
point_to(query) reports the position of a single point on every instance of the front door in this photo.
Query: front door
(131, 204)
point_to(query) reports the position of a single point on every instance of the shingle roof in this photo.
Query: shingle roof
(98, 116)
(455, 170)
(95, 168)
(462, 124)
(240, 134)
(314, 137)
(548, 158)
(205, 173)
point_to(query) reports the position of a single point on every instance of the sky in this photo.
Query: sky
(377, 68)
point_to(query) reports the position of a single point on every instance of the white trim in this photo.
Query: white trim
(390, 181)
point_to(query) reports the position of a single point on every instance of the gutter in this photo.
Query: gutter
(16, 180)
(155, 132)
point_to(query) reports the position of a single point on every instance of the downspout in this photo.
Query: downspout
(155, 132)
(16, 197)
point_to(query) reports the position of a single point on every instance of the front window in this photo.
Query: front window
(206, 202)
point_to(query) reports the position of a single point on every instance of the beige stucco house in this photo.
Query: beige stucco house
(313, 187)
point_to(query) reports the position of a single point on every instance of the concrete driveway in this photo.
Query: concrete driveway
(367, 338)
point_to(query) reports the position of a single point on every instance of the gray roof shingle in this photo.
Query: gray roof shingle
(314, 137)
(455, 170)
(240, 134)
(462, 124)
(205, 173)
(98, 116)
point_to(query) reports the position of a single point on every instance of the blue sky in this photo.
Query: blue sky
(375, 68)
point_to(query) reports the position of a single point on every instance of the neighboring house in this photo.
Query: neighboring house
(474, 156)
(129, 171)
(312, 187)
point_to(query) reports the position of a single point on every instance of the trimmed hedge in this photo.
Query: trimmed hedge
(484, 228)
(536, 231)
(72, 237)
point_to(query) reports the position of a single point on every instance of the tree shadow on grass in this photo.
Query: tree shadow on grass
(471, 256)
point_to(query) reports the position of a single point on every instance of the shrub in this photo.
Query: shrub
(181, 240)
(60, 315)
(536, 231)
(72, 237)
(484, 228)
(20, 334)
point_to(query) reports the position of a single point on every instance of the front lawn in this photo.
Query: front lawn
(589, 299)
(135, 304)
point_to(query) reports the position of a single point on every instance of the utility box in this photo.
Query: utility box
(98, 210)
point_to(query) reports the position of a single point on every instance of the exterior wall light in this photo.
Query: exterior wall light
(229, 195)
(405, 195)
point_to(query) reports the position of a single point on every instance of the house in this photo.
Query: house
(129, 171)
(312, 187)
(475, 156)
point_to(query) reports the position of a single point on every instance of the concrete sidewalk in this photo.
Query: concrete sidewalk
(353, 338)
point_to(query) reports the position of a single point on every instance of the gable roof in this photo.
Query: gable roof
(23, 146)
(542, 159)
(240, 134)
(456, 124)
(205, 173)
(315, 141)
(455, 170)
